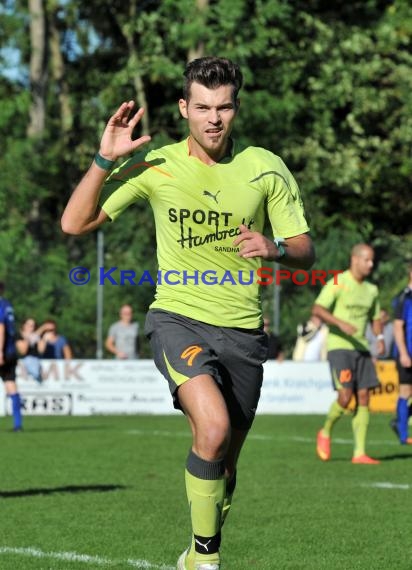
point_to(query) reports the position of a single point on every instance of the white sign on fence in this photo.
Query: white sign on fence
(87, 387)
(296, 388)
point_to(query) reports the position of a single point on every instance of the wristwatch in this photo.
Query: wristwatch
(278, 241)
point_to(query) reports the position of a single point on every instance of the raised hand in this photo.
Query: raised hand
(117, 137)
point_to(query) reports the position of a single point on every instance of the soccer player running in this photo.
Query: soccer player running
(8, 358)
(347, 306)
(210, 196)
(402, 328)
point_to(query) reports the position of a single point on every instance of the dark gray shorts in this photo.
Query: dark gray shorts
(183, 348)
(352, 369)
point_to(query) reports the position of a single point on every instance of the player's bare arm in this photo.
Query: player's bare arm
(330, 319)
(377, 329)
(299, 249)
(82, 213)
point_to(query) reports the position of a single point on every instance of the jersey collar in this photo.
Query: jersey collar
(226, 158)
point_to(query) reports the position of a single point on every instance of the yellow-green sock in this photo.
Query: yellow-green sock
(205, 488)
(227, 502)
(190, 556)
(335, 413)
(360, 422)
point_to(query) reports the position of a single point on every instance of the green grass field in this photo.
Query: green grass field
(108, 492)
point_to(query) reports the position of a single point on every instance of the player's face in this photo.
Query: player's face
(364, 262)
(210, 114)
(126, 313)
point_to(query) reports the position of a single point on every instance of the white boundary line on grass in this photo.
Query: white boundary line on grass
(388, 485)
(256, 436)
(341, 441)
(166, 433)
(85, 558)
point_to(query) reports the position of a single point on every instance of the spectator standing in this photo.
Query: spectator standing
(123, 336)
(52, 344)
(8, 358)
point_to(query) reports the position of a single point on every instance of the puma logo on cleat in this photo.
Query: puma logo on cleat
(205, 546)
(210, 195)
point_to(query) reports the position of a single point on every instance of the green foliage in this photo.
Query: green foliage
(327, 87)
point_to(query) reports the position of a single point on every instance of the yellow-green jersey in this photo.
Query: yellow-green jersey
(353, 302)
(198, 210)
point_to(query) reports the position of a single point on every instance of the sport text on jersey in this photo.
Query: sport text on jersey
(219, 221)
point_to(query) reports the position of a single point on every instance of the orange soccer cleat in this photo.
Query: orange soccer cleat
(364, 460)
(323, 446)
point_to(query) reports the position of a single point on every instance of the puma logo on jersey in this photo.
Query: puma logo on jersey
(210, 195)
(190, 353)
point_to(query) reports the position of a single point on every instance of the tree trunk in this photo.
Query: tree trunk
(38, 83)
(137, 77)
(58, 72)
(38, 71)
(198, 50)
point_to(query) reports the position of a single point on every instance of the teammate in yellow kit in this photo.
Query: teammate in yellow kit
(209, 196)
(347, 306)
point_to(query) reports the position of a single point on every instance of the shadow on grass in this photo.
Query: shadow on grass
(383, 458)
(395, 456)
(68, 489)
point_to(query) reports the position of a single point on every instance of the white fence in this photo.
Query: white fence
(87, 387)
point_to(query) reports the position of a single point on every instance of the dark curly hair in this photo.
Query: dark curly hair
(212, 72)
